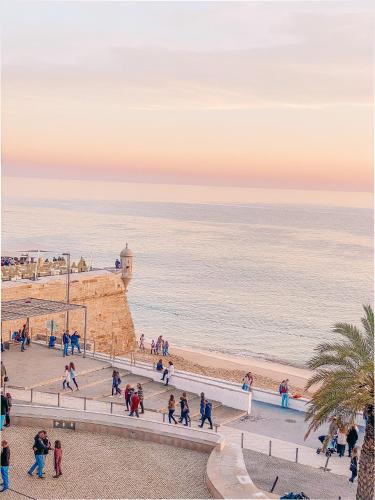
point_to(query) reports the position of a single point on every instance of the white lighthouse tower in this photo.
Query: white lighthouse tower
(126, 257)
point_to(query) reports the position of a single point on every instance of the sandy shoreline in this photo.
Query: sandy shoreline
(267, 374)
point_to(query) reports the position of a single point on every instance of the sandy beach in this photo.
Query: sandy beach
(267, 374)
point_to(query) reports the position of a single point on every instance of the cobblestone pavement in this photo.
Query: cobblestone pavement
(316, 484)
(96, 466)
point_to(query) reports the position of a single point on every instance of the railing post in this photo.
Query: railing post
(274, 484)
(84, 403)
(163, 417)
(31, 395)
(111, 406)
(242, 437)
(296, 455)
(270, 448)
(325, 467)
(58, 399)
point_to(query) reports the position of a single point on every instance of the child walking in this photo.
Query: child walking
(67, 379)
(57, 456)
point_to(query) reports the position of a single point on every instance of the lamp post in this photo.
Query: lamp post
(67, 254)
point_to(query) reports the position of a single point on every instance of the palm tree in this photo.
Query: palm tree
(344, 378)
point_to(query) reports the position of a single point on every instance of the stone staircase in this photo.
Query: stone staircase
(96, 384)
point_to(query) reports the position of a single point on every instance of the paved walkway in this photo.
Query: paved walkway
(95, 466)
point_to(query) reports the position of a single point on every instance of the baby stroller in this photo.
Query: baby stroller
(331, 448)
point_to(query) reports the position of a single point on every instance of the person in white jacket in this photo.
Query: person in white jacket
(170, 372)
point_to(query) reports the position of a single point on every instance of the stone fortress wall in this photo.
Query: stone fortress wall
(102, 291)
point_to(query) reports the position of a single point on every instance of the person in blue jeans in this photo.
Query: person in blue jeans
(201, 406)
(284, 391)
(74, 339)
(66, 340)
(5, 458)
(207, 414)
(39, 449)
(4, 409)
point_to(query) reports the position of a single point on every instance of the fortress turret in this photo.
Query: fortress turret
(126, 257)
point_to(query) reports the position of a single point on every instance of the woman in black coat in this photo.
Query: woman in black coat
(352, 438)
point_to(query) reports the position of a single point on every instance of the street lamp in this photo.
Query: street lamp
(67, 254)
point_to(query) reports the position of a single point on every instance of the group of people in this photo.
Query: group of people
(205, 410)
(70, 376)
(22, 337)
(67, 339)
(160, 346)
(41, 447)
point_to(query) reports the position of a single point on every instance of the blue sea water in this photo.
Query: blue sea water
(249, 279)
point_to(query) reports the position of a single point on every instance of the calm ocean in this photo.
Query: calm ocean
(250, 279)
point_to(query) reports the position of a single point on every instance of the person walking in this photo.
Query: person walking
(74, 341)
(72, 373)
(201, 406)
(142, 342)
(7, 415)
(141, 397)
(170, 372)
(185, 414)
(183, 402)
(352, 438)
(66, 381)
(354, 465)
(207, 414)
(341, 441)
(4, 410)
(153, 347)
(5, 460)
(134, 405)
(65, 341)
(39, 447)
(57, 458)
(127, 395)
(116, 381)
(48, 446)
(171, 409)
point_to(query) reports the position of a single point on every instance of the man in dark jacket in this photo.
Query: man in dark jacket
(4, 409)
(39, 450)
(352, 438)
(207, 414)
(5, 457)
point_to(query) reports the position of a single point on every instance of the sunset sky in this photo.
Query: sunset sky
(269, 94)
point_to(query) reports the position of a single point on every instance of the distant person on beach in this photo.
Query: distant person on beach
(5, 460)
(171, 409)
(140, 397)
(170, 372)
(284, 392)
(7, 415)
(142, 342)
(39, 448)
(66, 381)
(134, 405)
(153, 347)
(72, 371)
(352, 438)
(354, 465)
(159, 366)
(66, 341)
(74, 340)
(52, 341)
(207, 414)
(166, 348)
(57, 458)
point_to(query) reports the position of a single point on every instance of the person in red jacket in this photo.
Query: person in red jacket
(134, 405)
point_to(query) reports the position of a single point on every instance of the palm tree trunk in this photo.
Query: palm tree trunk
(365, 489)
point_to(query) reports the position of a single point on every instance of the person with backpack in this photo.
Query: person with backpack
(127, 395)
(39, 448)
(116, 381)
(207, 414)
(284, 392)
(5, 460)
(354, 465)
